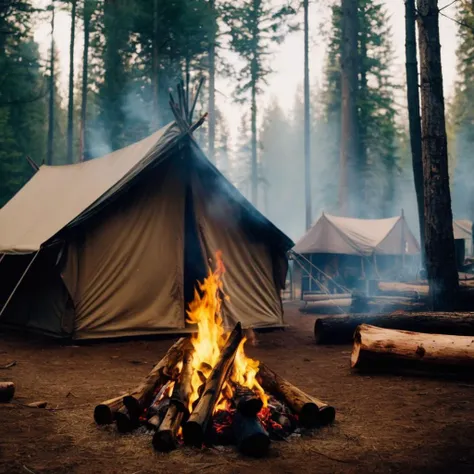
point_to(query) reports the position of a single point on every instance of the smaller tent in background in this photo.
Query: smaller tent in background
(348, 250)
(463, 231)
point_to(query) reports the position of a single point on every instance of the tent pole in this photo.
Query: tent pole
(18, 284)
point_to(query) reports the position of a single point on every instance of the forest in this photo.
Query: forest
(134, 51)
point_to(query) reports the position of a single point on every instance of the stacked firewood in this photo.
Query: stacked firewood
(162, 403)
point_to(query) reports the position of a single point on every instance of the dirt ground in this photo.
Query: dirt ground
(384, 423)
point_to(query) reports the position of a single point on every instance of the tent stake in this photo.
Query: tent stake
(18, 284)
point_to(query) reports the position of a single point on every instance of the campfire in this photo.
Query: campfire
(206, 391)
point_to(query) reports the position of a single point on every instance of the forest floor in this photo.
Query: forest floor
(384, 423)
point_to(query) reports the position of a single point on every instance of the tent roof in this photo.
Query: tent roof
(57, 196)
(462, 229)
(350, 236)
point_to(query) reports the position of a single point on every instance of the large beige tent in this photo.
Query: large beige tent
(364, 237)
(114, 246)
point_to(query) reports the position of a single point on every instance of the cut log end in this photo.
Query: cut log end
(327, 415)
(164, 441)
(309, 416)
(125, 422)
(318, 331)
(250, 406)
(355, 349)
(7, 390)
(193, 434)
(256, 445)
(103, 415)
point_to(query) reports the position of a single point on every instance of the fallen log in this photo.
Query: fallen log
(251, 437)
(140, 398)
(104, 413)
(164, 439)
(340, 330)
(311, 411)
(7, 390)
(374, 347)
(195, 428)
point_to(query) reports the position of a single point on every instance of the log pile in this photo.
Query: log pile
(225, 412)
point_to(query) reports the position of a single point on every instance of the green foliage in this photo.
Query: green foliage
(378, 155)
(253, 26)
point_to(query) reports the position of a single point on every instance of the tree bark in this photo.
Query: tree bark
(195, 428)
(439, 239)
(155, 66)
(140, 398)
(50, 153)
(349, 124)
(126, 420)
(88, 7)
(70, 108)
(212, 90)
(251, 438)
(7, 390)
(340, 330)
(307, 125)
(375, 347)
(311, 411)
(414, 120)
(104, 413)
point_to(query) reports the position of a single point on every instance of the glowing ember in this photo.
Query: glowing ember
(205, 312)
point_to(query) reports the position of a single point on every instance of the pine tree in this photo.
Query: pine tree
(462, 112)
(254, 26)
(377, 157)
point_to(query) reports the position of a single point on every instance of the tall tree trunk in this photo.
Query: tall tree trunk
(254, 171)
(414, 120)
(349, 124)
(212, 91)
(254, 77)
(155, 66)
(361, 175)
(439, 239)
(307, 132)
(88, 7)
(70, 109)
(50, 153)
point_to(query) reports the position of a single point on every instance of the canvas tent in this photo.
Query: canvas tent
(338, 252)
(463, 231)
(114, 246)
(365, 237)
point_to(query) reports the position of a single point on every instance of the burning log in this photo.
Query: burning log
(340, 330)
(104, 413)
(164, 439)
(311, 411)
(195, 428)
(7, 390)
(251, 437)
(140, 398)
(375, 347)
(246, 401)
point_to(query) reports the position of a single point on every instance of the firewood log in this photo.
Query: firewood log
(340, 330)
(126, 421)
(7, 390)
(311, 411)
(195, 428)
(140, 398)
(164, 439)
(376, 347)
(246, 401)
(251, 437)
(104, 413)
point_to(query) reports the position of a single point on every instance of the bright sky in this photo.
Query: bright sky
(287, 61)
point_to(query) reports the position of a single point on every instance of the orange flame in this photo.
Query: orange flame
(205, 312)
